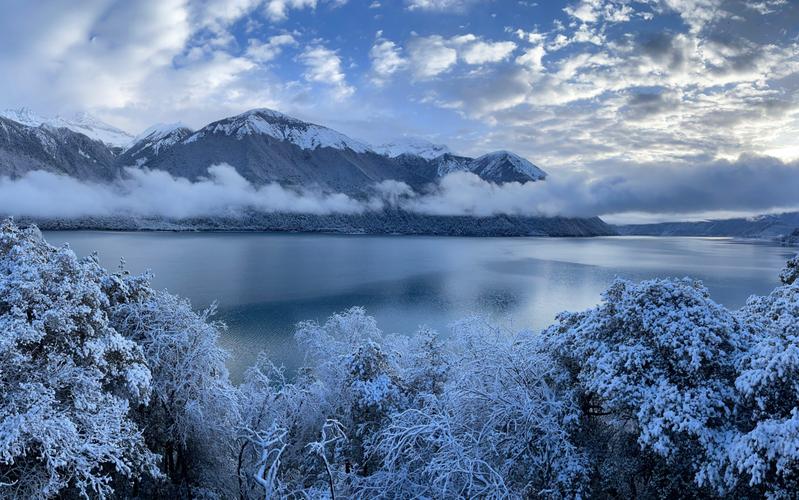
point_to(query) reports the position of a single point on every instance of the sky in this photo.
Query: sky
(621, 93)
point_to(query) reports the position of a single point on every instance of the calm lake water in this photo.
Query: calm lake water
(266, 283)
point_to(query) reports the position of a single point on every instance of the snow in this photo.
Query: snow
(282, 127)
(452, 164)
(656, 391)
(412, 146)
(159, 136)
(494, 163)
(82, 123)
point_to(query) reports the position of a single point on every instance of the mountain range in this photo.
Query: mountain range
(263, 145)
(769, 226)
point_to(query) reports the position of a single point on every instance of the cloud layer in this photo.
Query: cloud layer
(714, 187)
(598, 88)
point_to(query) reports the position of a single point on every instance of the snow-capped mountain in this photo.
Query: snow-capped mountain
(412, 146)
(504, 166)
(82, 123)
(152, 141)
(261, 144)
(24, 148)
(282, 127)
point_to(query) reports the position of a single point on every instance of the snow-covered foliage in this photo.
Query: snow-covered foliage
(68, 378)
(109, 388)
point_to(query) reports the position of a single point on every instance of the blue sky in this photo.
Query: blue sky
(607, 89)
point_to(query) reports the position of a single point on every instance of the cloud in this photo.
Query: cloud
(157, 193)
(431, 56)
(481, 52)
(386, 59)
(265, 52)
(752, 184)
(439, 5)
(324, 66)
(277, 10)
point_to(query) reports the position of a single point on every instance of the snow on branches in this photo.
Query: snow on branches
(68, 379)
(109, 388)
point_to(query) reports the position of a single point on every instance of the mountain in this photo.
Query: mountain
(59, 150)
(153, 141)
(261, 144)
(267, 146)
(771, 226)
(82, 123)
(503, 166)
(414, 147)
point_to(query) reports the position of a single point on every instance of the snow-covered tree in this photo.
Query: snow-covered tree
(501, 427)
(192, 417)
(763, 452)
(655, 362)
(791, 272)
(109, 388)
(69, 380)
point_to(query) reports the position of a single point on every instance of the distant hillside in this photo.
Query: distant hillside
(764, 226)
(384, 222)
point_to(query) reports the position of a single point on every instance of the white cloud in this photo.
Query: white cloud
(265, 52)
(533, 58)
(157, 193)
(481, 52)
(439, 5)
(587, 11)
(324, 66)
(431, 56)
(386, 59)
(277, 10)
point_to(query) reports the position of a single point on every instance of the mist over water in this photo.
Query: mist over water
(748, 185)
(266, 283)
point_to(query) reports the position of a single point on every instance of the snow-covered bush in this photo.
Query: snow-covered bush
(68, 380)
(655, 362)
(764, 449)
(109, 388)
(500, 427)
(192, 418)
(791, 272)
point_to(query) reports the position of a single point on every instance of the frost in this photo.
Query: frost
(109, 388)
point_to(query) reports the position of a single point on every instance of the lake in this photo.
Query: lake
(266, 283)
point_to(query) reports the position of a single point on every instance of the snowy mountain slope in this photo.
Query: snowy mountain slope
(282, 127)
(152, 141)
(25, 148)
(504, 166)
(412, 146)
(267, 146)
(448, 163)
(83, 123)
(263, 146)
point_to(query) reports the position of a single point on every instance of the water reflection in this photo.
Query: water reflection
(266, 283)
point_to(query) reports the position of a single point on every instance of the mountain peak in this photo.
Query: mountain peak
(157, 137)
(412, 146)
(264, 121)
(504, 166)
(82, 122)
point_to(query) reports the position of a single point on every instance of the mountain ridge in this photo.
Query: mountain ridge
(267, 146)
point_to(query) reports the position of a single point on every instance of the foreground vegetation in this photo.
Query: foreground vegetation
(109, 388)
